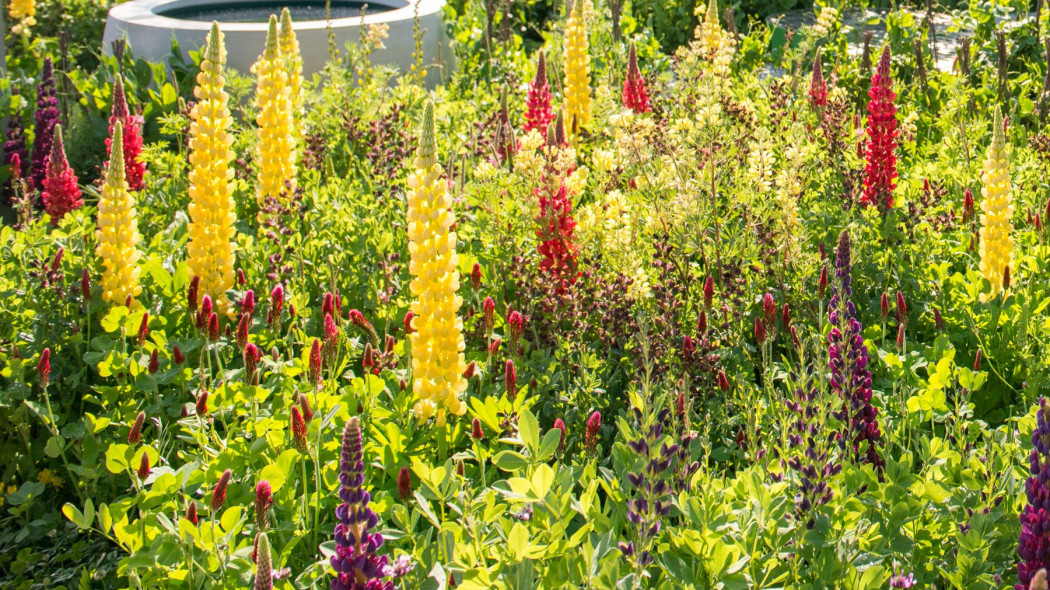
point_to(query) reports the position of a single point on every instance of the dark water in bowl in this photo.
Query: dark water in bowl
(259, 12)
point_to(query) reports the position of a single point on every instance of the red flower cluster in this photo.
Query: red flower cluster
(134, 169)
(881, 166)
(538, 113)
(634, 94)
(556, 228)
(60, 194)
(818, 88)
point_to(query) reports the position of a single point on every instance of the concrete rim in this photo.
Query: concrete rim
(142, 13)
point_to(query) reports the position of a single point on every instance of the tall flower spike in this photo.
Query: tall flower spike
(538, 113)
(437, 340)
(1034, 544)
(117, 234)
(997, 209)
(293, 60)
(818, 88)
(635, 96)
(355, 561)
(134, 167)
(577, 72)
(263, 563)
(46, 119)
(848, 360)
(881, 161)
(211, 211)
(60, 194)
(276, 140)
(15, 152)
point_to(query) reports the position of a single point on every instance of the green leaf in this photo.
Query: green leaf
(54, 446)
(551, 441)
(509, 461)
(518, 542)
(277, 473)
(529, 430)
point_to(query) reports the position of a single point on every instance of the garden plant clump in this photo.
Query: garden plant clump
(629, 300)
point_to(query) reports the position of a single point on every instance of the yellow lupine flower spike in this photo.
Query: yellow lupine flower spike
(437, 341)
(577, 72)
(275, 150)
(997, 209)
(211, 211)
(289, 47)
(117, 233)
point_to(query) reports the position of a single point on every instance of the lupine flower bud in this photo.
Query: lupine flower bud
(213, 327)
(475, 276)
(471, 368)
(760, 331)
(723, 381)
(331, 338)
(136, 428)
(785, 316)
(263, 501)
(590, 438)
(191, 294)
(1006, 277)
(191, 513)
(144, 469)
(701, 323)
(240, 276)
(709, 291)
(202, 402)
(204, 315)
(143, 329)
(60, 192)
(359, 321)
(881, 161)
(900, 337)
(328, 306)
(176, 355)
(968, 209)
(884, 307)
(43, 368)
(938, 320)
(538, 114)
(404, 484)
(687, 347)
(408, 322)
(560, 425)
(273, 317)
(218, 495)
(902, 309)
(494, 346)
(263, 561)
(368, 360)
(510, 376)
(476, 431)
(315, 363)
(298, 429)
(516, 323)
(822, 283)
(794, 337)
(635, 96)
(977, 359)
(154, 362)
(85, 286)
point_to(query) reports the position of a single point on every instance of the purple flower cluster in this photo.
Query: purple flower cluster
(1034, 544)
(356, 564)
(651, 490)
(15, 146)
(848, 359)
(811, 459)
(46, 119)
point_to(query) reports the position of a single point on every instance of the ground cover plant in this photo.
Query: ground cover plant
(622, 303)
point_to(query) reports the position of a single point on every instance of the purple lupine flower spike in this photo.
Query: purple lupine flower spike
(848, 360)
(46, 119)
(1034, 544)
(356, 563)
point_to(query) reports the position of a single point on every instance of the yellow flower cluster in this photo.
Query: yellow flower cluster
(827, 20)
(437, 340)
(611, 227)
(577, 72)
(997, 209)
(211, 210)
(24, 12)
(276, 139)
(714, 44)
(48, 477)
(761, 160)
(117, 234)
(289, 47)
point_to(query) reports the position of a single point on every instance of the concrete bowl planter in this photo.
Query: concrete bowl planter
(149, 26)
